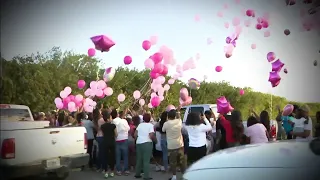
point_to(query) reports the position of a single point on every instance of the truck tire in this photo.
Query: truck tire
(58, 176)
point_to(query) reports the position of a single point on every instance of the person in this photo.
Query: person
(109, 131)
(98, 121)
(211, 136)
(317, 126)
(221, 142)
(256, 132)
(41, 116)
(132, 141)
(90, 137)
(122, 146)
(302, 117)
(145, 136)
(173, 128)
(61, 118)
(287, 121)
(264, 119)
(197, 136)
(164, 148)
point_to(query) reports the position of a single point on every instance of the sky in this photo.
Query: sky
(29, 26)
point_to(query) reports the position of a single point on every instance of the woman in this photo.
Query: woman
(109, 143)
(197, 136)
(135, 121)
(233, 128)
(264, 119)
(145, 135)
(89, 127)
(302, 118)
(98, 121)
(163, 142)
(256, 132)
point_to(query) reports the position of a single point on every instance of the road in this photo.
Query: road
(92, 175)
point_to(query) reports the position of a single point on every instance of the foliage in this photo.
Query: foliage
(37, 79)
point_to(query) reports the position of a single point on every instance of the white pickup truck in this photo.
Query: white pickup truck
(32, 148)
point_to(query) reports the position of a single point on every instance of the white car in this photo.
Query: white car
(274, 160)
(31, 148)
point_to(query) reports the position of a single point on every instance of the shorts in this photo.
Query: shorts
(177, 157)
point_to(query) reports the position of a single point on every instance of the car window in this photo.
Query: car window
(196, 109)
(11, 114)
(182, 112)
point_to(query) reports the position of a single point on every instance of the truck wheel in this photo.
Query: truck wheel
(59, 176)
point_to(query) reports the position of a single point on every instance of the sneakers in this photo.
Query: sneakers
(162, 169)
(106, 175)
(158, 168)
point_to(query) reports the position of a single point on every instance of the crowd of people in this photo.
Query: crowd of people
(120, 142)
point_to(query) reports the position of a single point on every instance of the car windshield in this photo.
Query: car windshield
(10, 114)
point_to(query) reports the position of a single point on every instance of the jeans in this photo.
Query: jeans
(164, 149)
(101, 164)
(89, 151)
(122, 150)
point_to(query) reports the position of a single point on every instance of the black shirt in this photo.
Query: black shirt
(109, 138)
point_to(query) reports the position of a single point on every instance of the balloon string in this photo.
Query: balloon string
(141, 90)
(126, 83)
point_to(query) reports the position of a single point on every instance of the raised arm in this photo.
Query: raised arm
(207, 127)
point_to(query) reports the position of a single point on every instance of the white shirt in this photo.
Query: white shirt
(144, 129)
(298, 124)
(158, 145)
(122, 128)
(257, 133)
(214, 125)
(197, 134)
(307, 127)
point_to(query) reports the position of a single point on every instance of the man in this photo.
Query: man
(121, 142)
(173, 128)
(303, 115)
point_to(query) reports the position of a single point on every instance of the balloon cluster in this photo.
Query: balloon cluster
(193, 83)
(262, 23)
(223, 106)
(274, 77)
(71, 103)
(184, 99)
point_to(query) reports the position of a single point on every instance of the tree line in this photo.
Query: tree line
(36, 80)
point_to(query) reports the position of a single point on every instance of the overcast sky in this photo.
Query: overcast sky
(36, 25)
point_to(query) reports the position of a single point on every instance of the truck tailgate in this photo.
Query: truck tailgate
(34, 145)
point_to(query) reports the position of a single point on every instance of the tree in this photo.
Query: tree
(36, 80)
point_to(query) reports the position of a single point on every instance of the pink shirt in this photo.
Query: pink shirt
(257, 133)
(99, 132)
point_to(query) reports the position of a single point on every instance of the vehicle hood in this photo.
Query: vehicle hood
(285, 154)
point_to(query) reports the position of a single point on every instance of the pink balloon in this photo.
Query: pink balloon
(250, 12)
(274, 78)
(153, 75)
(127, 60)
(91, 52)
(164, 70)
(171, 81)
(226, 25)
(218, 68)
(121, 97)
(220, 14)
(271, 56)
(150, 106)
(148, 63)
(146, 45)
(102, 43)
(265, 24)
(108, 91)
(63, 94)
(102, 96)
(72, 97)
(67, 90)
(78, 98)
(275, 84)
(287, 110)
(142, 102)
(197, 18)
(241, 92)
(277, 65)
(188, 101)
(229, 49)
(184, 94)
(157, 57)
(136, 94)
(236, 21)
(155, 101)
(258, 26)
(266, 33)
(253, 46)
(81, 84)
(153, 40)
(57, 100)
(221, 99)
(59, 105)
(225, 6)
(158, 68)
(209, 41)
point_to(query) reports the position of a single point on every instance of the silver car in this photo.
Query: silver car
(293, 160)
